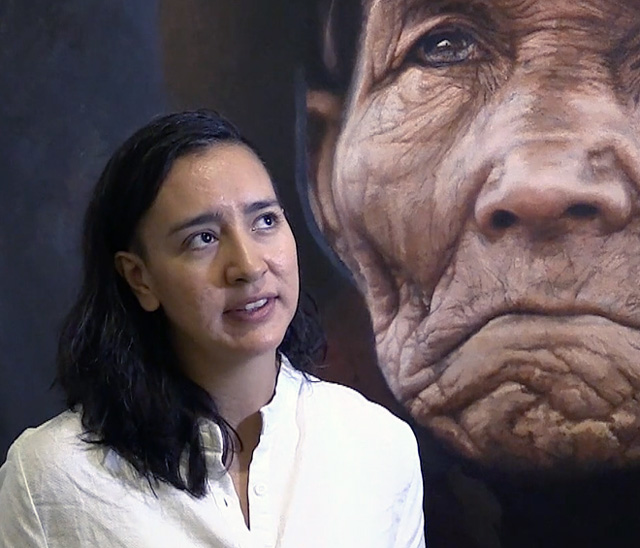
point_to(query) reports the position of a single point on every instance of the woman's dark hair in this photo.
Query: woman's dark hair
(115, 361)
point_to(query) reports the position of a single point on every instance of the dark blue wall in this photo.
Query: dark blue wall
(75, 77)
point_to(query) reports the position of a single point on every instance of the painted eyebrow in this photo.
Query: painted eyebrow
(209, 217)
(483, 9)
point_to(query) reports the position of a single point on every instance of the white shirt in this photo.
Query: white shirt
(331, 470)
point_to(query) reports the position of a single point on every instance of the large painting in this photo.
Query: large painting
(475, 166)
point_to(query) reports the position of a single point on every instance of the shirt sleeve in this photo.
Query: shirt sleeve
(411, 529)
(20, 525)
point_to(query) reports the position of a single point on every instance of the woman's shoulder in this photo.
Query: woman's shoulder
(345, 430)
(59, 433)
(346, 409)
(53, 446)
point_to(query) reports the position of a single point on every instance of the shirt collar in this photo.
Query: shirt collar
(278, 412)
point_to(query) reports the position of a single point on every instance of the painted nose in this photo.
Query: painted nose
(553, 188)
(245, 262)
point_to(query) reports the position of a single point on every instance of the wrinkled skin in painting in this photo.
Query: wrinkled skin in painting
(480, 179)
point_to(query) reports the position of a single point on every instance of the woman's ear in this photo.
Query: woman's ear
(324, 120)
(132, 268)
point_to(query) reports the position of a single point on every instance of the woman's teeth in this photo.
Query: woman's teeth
(255, 304)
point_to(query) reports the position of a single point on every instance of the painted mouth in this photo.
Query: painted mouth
(523, 349)
(427, 365)
(445, 341)
(536, 391)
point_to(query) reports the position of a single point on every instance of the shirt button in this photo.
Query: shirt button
(260, 489)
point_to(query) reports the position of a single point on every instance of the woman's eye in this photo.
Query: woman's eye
(201, 240)
(266, 221)
(441, 48)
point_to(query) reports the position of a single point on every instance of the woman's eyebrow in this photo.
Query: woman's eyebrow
(203, 218)
(254, 207)
(216, 217)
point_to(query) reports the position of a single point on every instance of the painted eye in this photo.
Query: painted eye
(444, 47)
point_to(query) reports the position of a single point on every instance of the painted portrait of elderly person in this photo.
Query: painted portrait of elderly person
(476, 166)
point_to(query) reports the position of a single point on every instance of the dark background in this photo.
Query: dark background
(75, 78)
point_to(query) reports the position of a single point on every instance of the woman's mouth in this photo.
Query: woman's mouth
(255, 310)
(255, 305)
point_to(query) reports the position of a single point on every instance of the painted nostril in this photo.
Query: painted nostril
(502, 219)
(582, 211)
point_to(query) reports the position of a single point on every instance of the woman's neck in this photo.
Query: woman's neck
(243, 390)
(240, 388)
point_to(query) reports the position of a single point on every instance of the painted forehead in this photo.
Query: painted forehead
(390, 24)
(402, 11)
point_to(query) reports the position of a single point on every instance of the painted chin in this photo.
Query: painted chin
(532, 392)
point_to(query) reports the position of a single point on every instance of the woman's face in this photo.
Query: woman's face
(219, 258)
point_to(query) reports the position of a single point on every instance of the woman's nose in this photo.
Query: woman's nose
(245, 261)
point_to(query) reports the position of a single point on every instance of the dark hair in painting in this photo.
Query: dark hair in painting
(115, 361)
(334, 27)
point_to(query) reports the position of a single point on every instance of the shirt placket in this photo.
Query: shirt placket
(260, 493)
(224, 495)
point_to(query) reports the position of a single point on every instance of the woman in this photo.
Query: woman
(190, 421)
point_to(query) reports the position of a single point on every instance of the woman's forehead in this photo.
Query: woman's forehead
(218, 176)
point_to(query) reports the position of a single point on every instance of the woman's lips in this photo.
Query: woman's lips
(253, 311)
